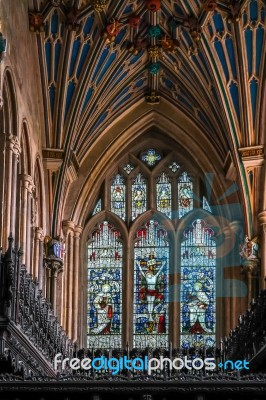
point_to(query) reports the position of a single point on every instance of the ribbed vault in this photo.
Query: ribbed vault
(214, 74)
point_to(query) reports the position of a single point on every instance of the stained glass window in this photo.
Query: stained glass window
(185, 194)
(118, 197)
(174, 167)
(139, 194)
(151, 273)
(198, 306)
(128, 168)
(151, 157)
(205, 204)
(164, 195)
(98, 207)
(104, 287)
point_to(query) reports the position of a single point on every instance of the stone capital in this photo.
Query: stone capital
(78, 231)
(251, 267)
(68, 226)
(27, 182)
(262, 218)
(55, 265)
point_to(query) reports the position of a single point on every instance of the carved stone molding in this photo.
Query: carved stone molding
(251, 267)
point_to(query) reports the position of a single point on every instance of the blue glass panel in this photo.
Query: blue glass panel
(52, 98)
(253, 94)
(198, 286)
(135, 58)
(54, 24)
(107, 65)
(56, 59)
(123, 101)
(259, 42)
(249, 50)
(87, 98)
(100, 62)
(234, 94)
(88, 25)
(218, 22)
(105, 254)
(70, 92)
(48, 49)
(253, 7)
(151, 287)
(83, 57)
(74, 55)
(231, 54)
(220, 52)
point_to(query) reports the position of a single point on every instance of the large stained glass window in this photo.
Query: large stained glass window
(164, 195)
(185, 194)
(151, 273)
(139, 195)
(118, 197)
(198, 262)
(104, 287)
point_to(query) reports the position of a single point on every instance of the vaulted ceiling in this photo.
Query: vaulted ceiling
(98, 58)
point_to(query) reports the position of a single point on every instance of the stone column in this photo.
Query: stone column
(12, 151)
(38, 256)
(26, 184)
(262, 220)
(68, 229)
(76, 282)
(29, 232)
(15, 188)
(251, 271)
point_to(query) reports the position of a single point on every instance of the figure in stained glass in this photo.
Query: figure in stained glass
(151, 286)
(164, 198)
(152, 283)
(118, 196)
(105, 287)
(198, 274)
(185, 194)
(138, 196)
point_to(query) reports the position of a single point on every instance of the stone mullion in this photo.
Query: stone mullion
(76, 281)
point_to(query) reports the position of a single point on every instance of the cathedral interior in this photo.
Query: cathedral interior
(133, 203)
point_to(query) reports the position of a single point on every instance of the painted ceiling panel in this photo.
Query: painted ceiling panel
(100, 56)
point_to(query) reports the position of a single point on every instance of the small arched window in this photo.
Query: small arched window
(150, 195)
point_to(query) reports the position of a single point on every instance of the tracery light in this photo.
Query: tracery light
(105, 256)
(151, 157)
(139, 196)
(185, 194)
(164, 195)
(151, 280)
(198, 276)
(118, 196)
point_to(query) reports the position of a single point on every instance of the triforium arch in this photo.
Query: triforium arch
(219, 220)
(9, 155)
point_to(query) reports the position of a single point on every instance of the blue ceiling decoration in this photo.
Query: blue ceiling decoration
(98, 58)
